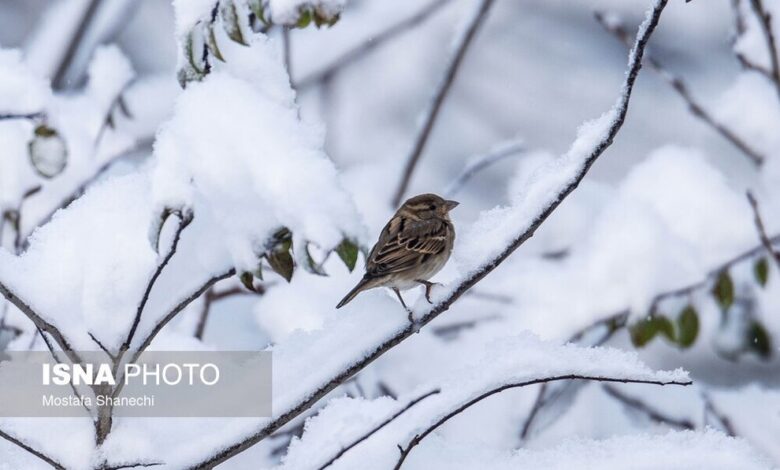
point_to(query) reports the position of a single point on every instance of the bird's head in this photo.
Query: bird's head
(427, 206)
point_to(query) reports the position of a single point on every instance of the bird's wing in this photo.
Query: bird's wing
(405, 244)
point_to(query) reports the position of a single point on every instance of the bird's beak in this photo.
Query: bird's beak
(451, 205)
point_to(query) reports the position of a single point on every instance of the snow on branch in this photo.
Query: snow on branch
(765, 22)
(405, 451)
(488, 367)
(33, 451)
(478, 163)
(462, 43)
(506, 233)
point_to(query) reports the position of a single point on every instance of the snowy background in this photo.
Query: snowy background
(190, 177)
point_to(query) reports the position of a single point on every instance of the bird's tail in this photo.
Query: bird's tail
(365, 283)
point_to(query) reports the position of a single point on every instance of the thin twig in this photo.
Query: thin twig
(58, 80)
(599, 146)
(723, 420)
(682, 90)
(765, 20)
(170, 316)
(642, 407)
(31, 450)
(465, 39)
(212, 296)
(419, 437)
(40, 323)
(618, 320)
(765, 240)
(353, 55)
(28, 116)
(480, 162)
(287, 51)
(184, 221)
(378, 427)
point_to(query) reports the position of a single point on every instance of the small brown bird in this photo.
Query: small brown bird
(412, 248)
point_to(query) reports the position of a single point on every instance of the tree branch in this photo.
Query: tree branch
(184, 221)
(723, 420)
(34, 452)
(464, 41)
(480, 162)
(598, 148)
(378, 427)
(682, 90)
(642, 407)
(765, 241)
(212, 296)
(765, 20)
(353, 55)
(618, 320)
(419, 437)
(40, 323)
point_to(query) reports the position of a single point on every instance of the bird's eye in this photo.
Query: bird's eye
(431, 207)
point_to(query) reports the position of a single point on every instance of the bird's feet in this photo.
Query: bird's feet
(428, 285)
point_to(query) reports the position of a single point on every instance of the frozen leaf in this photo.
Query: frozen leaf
(688, 327)
(724, 290)
(48, 153)
(278, 255)
(230, 21)
(761, 271)
(211, 43)
(311, 265)
(348, 252)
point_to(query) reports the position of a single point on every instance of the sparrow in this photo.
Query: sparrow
(414, 245)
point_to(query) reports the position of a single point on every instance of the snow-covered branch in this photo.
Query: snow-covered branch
(563, 177)
(33, 451)
(405, 450)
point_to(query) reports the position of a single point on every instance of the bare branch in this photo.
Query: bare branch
(599, 146)
(378, 427)
(31, 450)
(28, 116)
(723, 420)
(212, 296)
(419, 437)
(353, 55)
(681, 88)
(40, 323)
(432, 112)
(765, 20)
(184, 221)
(480, 162)
(765, 241)
(58, 79)
(642, 407)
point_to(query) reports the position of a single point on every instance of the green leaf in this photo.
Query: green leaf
(257, 8)
(724, 290)
(761, 271)
(230, 21)
(688, 327)
(348, 252)
(248, 280)
(304, 19)
(312, 266)
(282, 263)
(665, 327)
(211, 43)
(47, 151)
(758, 340)
(643, 331)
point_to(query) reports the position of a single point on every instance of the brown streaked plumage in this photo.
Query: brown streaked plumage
(414, 245)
